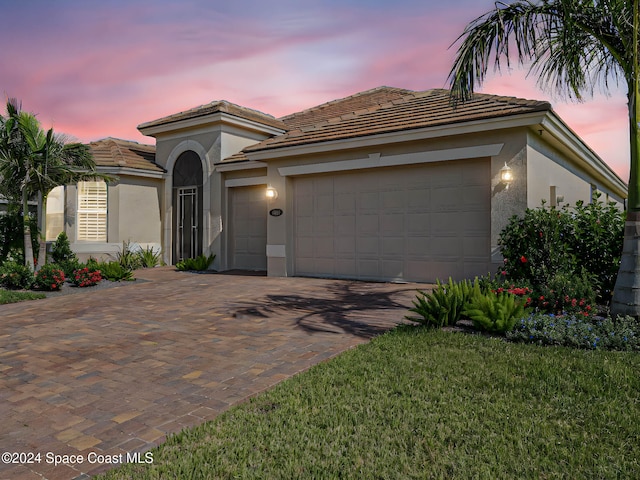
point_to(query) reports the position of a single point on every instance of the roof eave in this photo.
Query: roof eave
(554, 125)
(152, 130)
(112, 170)
(476, 126)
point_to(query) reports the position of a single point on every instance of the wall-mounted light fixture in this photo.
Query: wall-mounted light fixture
(506, 175)
(271, 193)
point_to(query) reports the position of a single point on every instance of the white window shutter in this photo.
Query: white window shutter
(92, 211)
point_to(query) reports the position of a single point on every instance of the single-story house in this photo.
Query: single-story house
(387, 184)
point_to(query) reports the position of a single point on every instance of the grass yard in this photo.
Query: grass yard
(418, 403)
(10, 296)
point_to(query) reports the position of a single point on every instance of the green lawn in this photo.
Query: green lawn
(10, 296)
(416, 403)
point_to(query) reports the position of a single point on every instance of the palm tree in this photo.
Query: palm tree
(33, 162)
(572, 45)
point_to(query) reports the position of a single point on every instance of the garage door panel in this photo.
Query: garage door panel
(248, 228)
(446, 247)
(446, 223)
(393, 247)
(420, 199)
(324, 203)
(391, 223)
(345, 225)
(418, 247)
(446, 199)
(304, 247)
(473, 223)
(324, 225)
(415, 223)
(345, 267)
(392, 268)
(418, 224)
(345, 245)
(475, 198)
(323, 247)
(368, 224)
(345, 203)
(369, 201)
(367, 246)
(305, 225)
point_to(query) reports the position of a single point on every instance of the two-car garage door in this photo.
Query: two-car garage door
(413, 223)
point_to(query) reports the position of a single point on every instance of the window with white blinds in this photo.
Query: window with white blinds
(92, 211)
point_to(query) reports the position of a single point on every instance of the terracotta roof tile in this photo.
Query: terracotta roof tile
(222, 106)
(385, 110)
(114, 152)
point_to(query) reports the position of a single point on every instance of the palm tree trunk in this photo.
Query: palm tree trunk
(28, 247)
(42, 226)
(626, 293)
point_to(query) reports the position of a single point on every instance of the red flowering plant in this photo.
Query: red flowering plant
(569, 256)
(85, 277)
(522, 292)
(50, 277)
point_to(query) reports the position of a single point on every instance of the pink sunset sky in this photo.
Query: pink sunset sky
(93, 69)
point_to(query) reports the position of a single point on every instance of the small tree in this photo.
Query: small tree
(33, 162)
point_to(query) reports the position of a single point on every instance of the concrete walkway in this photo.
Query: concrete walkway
(114, 371)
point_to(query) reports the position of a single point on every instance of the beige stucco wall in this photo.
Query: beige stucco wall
(212, 143)
(548, 168)
(55, 213)
(133, 216)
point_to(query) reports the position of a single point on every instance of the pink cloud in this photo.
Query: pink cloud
(93, 73)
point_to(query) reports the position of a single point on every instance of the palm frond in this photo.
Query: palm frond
(571, 45)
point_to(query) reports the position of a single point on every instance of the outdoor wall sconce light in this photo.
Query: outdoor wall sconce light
(506, 175)
(271, 193)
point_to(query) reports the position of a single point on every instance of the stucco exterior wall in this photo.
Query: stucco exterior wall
(504, 202)
(140, 225)
(547, 169)
(133, 215)
(212, 143)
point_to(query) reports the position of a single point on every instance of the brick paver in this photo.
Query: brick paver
(116, 370)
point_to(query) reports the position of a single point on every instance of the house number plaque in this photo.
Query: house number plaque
(276, 212)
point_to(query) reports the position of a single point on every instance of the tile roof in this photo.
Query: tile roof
(222, 106)
(385, 110)
(337, 108)
(114, 152)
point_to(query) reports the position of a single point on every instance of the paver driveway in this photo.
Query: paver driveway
(115, 370)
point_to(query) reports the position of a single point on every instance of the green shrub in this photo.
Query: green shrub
(536, 247)
(200, 263)
(63, 256)
(61, 250)
(495, 313)
(112, 271)
(148, 258)
(443, 306)
(578, 331)
(597, 243)
(573, 243)
(15, 276)
(565, 293)
(50, 277)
